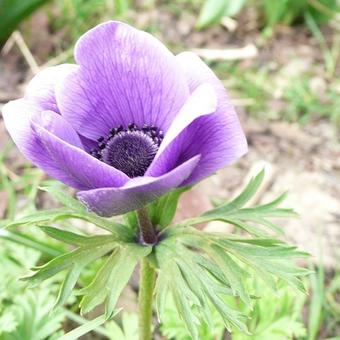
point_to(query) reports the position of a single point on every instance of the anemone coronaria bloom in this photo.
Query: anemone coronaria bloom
(128, 122)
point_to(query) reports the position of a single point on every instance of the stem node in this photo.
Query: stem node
(148, 235)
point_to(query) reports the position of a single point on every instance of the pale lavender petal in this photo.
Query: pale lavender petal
(218, 137)
(63, 160)
(137, 192)
(58, 126)
(125, 76)
(202, 102)
(41, 89)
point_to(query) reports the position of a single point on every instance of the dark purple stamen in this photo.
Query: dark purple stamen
(130, 149)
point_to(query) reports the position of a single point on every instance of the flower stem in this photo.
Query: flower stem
(147, 231)
(145, 298)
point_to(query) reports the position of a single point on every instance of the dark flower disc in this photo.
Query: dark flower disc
(129, 150)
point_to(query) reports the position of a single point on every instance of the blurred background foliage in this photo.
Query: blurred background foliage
(291, 75)
(312, 92)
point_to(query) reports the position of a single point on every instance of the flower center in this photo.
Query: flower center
(129, 150)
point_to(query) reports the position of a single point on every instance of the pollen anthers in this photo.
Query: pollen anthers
(130, 149)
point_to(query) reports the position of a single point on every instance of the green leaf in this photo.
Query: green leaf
(41, 217)
(131, 220)
(112, 277)
(161, 291)
(234, 274)
(61, 214)
(255, 220)
(181, 271)
(273, 260)
(89, 249)
(12, 12)
(323, 10)
(180, 294)
(64, 198)
(30, 242)
(233, 7)
(238, 202)
(129, 329)
(84, 329)
(211, 13)
(76, 239)
(212, 265)
(80, 257)
(316, 314)
(163, 210)
(64, 236)
(68, 284)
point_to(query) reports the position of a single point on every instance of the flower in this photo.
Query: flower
(128, 122)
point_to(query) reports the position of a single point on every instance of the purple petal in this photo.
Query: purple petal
(136, 193)
(41, 89)
(218, 137)
(202, 102)
(125, 76)
(88, 144)
(61, 159)
(58, 126)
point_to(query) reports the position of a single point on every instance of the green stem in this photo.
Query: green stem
(145, 298)
(148, 236)
(147, 231)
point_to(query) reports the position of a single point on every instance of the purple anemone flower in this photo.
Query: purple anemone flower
(128, 122)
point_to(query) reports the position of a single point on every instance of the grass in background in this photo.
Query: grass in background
(75, 17)
(257, 84)
(269, 95)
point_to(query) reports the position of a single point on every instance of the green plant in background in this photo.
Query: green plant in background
(288, 12)
(277, 315)
(126, 330)
(331, 305)
(12, 12)
(174, 328)
(304, 104)
(213, 10)
(285, 12)
(25, 314)
(75, 17)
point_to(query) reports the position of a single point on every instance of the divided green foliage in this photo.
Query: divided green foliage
(255, 220)
(73, 210)
(275, 315)
(194, 289)
(111, 278)
(25, 313)
(202, 269)
(87, 251)
(117, 245)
